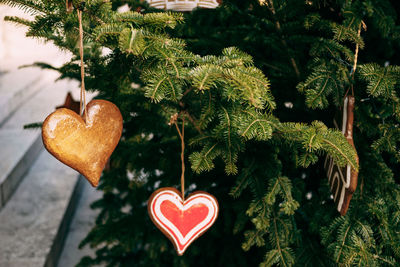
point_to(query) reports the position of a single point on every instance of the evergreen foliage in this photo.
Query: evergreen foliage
(256, 83)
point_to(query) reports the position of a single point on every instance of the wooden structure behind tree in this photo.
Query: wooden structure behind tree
(183, 5)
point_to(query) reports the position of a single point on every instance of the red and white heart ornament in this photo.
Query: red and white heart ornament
(182, 221)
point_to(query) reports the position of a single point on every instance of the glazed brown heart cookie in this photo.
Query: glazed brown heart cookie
(84, 147)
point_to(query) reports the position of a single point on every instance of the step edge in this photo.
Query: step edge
(36, 84)
(57, 246)
(19, 170)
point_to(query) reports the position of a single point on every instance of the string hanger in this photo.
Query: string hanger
(362, 26)
(82, 105)
(181, 132)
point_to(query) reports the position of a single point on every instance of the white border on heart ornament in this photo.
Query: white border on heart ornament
(170, 228)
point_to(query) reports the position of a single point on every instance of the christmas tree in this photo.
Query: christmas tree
(257, 84)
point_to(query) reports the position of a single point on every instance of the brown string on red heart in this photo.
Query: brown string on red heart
(174, 119)
(82, 109)
(182, 220)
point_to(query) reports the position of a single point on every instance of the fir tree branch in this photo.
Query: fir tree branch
(28, 6)
(193, 122)
(18, 21)
(292, 61)
(277, 240)
(342, 153)
(343, 243)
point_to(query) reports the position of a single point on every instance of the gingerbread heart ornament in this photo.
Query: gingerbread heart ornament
(343, 181)
(182, 221)
(84, 147)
